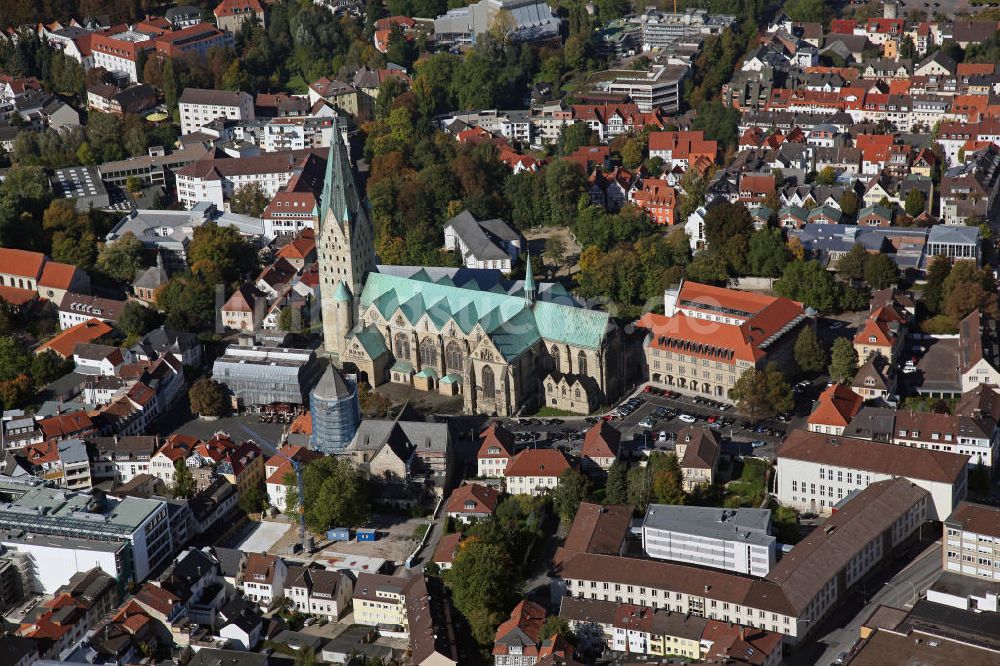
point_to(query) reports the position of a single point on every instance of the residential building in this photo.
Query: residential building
(970, 189)
(107, 98)
(199, 107)
(971, 533)
(657, 198)
(319, 592)
(883, 333)
(736, 540)
(535, 471)
(978, 351)
(266, 375)
(834, 409)
(482, 243)
(697, 451)
(683, 149)
(708, 336)
(264, 578)
(120, 459)
(335, 412)
(446, 550)
(972, 436)
(815, 471)
(278, 468)
(601, 445)
(230, 15)
(404, 453)
(472, 501)
(214, 179)
(65, 532)
(163, 341)
(381, 600)
(658, 88)
(243, 466)
(874, 379)
(518, 639)
(495, 452)
(79, 308)
(738, 645)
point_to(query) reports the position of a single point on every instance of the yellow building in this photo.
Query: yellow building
(381, 599)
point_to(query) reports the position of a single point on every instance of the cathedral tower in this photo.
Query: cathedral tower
(346, 251)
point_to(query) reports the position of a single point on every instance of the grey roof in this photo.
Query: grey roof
(954, 234)
(331, 386)
(216, 657)
(72, 451)
(873, 423)
(172, 230)
(485, 239)
(230, 560)
(151, 278)
(372, 434)
(746, 525)
(211, 97)
(165, 339)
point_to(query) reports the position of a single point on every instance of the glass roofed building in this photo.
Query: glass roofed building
(456, 331)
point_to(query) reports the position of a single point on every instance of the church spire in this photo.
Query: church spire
(529, 282)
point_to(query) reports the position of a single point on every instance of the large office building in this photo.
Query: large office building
(531, 20)
(658, 88)
(661, 29)
(815, 471)
(708, 336)
(66, 532)
(732, 539)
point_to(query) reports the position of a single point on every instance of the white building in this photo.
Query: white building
(535, 471)
(319, 592)
(731, 539)
(199, 106)
(482, 243)
(657, 88)
(815, 471)
(214, 180)
(264, 578)
(972, 542)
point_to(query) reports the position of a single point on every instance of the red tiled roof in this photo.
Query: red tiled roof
(601, 441)
(447, 548)
(485, 499)
(836, 406)
(237, 7)
(537, 462)
(17, 297)
(65, 342)
(496, 436)
(282, 466)
(21, 262)
(178, 447)
(64, 425)
(527, 617)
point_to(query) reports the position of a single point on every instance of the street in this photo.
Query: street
(841, 630)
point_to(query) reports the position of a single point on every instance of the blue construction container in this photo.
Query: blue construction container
(367, 535)
(339, 534)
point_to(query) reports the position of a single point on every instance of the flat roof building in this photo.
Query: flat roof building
(732, 539)
(82, 185)
(267, 375)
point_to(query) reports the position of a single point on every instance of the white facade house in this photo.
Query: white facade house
(815, 471)
(214, 180)
(198, 107)
(319, 592)
(535, 471)
(264, 578)
(482, 243)
(730, 539)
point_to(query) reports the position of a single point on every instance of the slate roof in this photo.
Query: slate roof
(483, 238)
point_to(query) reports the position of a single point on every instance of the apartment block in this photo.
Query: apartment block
(972, 541)
(199, 107)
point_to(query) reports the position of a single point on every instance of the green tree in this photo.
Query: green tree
(767, 254)
(480, 582)
(881, 271)
(564, 183)
(667, 479)
(220, 254)
(914, 202)
(849, 203)
(843, 360)
(852, 265)
(809, 283)
(207, 397)
(571, 490)
(811, 11)
(633, 153)
(136, 320)
(184, 484)
(968, 288)
(576, 136)
(810, 355)
(907, 49)
(556, 626)
(189, 304)
(762, 393)
(49, 366)
(937, 272)
(15, 359)
(826, 176)
(555, 252)
(249, 199)
(253, 499)
(709, 268)
(640, 487)
(336, 494)
(616, 488)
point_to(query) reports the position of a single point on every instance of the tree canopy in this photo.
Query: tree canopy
(336, 494)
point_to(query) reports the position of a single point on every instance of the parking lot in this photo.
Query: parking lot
(650, 421)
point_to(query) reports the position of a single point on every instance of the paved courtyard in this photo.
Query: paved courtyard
(262, 537)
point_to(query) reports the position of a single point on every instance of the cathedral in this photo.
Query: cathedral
(503, 346)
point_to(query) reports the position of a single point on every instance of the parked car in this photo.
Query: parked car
(758, 443)
(647, 423)
(686, 418)
(662, 437)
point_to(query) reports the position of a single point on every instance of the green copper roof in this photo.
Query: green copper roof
(340, 196)
(511, 323)
(428, 373)
(451, 379)
(401, 366)
(529, 278)
(371, 340)
(341, 294)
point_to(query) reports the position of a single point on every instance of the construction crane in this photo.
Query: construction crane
(305, 539)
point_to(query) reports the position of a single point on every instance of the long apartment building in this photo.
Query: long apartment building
(708, 336)
(791, 600)
(214, 179)
(66, 532)
(815, 471)
(199, 107)
(736, 540)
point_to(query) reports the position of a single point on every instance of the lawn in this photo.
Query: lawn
(420, 531)
(552, 411)
(748, 489)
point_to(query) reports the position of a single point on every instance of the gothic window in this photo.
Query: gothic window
(454, 357)
(555, 358)
(489, 385)
(428, 352)
(581, 364)
(402, 347)
(578, 394)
